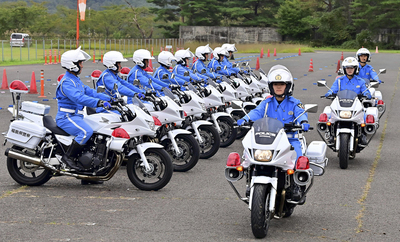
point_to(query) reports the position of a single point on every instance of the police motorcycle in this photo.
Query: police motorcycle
(343, 124)
(179, 143)
(204, 132)
(272, 174)
(38, 145)
(222, 121)
(377, 99)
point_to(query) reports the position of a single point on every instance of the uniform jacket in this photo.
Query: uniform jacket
(138, 73)
(368, 72)
(356, 84)
(199, 66)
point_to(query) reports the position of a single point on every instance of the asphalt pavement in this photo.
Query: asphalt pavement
(360, 203)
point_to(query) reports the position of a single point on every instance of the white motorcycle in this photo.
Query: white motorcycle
(345, 122)
(38, 145)
(275, 182)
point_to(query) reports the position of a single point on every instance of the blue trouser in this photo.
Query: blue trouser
(74, 125)
(297, 146)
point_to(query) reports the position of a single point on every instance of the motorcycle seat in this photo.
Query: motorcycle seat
(50, 124)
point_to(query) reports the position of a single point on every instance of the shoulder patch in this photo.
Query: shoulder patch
(300, 105)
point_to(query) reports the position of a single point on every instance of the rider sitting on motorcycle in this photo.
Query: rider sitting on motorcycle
(366, 71)
(72, 95)
(350, 81)
(162, 73)
(230, 48)
(216, 63)
(112, 61)
(141, 58)
(283, 107)
(181, 68)
(202, 53)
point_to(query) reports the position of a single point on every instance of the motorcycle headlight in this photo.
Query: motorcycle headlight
(345, 114)
(263, 155)
(152, 126)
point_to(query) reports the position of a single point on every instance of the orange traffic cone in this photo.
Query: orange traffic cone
(262, 53)
(268, 54)
(376, 50)
(33, 89)
(299, 52)
(45, 57)
(94, 56)
(338, 66)
(101, 56)
(258, 63)
(42, 84)
(4, 84)
(50, 57)
(59, 57)
(152, 51)
(311, 68)
(55, 57)
(342, 58)
(274, 51)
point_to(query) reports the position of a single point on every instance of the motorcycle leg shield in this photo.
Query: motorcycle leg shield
(68, 158)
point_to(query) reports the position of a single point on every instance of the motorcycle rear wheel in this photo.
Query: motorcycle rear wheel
(344, 149)
(190, 152)
(260, 213)
(160, 174)
(228, 135)
(26, 173)
(211, 141)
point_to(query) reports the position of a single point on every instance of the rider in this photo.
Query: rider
(202, 53)
(162, 73)
(283, 107)
(182, 70)
(366, 71)
(217, 63)
(230, 48)
(112, 61)
(141, 58)
(350, 81)
(72, 95)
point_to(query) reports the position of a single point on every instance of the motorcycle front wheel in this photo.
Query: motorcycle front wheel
(157, 177)
(26, 173)
(189, 152)
(211, 141)
(344, 148)
(228, 135)
(260, 213)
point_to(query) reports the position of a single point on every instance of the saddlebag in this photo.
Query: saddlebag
(316, 151)
(25, 134)
(36, 108)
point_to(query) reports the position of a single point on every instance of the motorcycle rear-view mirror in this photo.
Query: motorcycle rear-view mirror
(382, 71)
(115, 86)
(203, 71)
(101, 89)
(136, 82)
(340, 72)
(311, 108)
(374, 84)
(321, 83)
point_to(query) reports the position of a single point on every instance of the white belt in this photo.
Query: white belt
(67, 110)
(292, 135)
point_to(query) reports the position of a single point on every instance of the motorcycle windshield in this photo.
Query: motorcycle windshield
(346, 98)
(266, 130)
(169, 94)
(191, 87)
(136, 101)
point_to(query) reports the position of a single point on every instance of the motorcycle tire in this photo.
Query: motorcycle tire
(190, 152)
(160, 174)
(241, 132)
(26, 173)
(344, 149)
(260, 213)
(228, 135)
(211, 141)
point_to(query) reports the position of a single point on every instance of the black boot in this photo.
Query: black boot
(68, 158)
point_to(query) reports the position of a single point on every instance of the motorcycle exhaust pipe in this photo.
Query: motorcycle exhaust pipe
(303, 177)
(232, 175)
(370, 128)
(16, 154)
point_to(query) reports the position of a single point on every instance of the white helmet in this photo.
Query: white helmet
(181, 55)
(166, 58)
(363, 51)
(70, 59)
(229, 47)
(140, 55)
(219, 51)
(350, 62)
(202, 50)
(279, 73)
(111, 58)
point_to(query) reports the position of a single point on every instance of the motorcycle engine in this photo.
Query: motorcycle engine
(86, 159)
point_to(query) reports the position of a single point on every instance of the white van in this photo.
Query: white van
(19, 39)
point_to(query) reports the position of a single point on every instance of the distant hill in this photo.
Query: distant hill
(93, 4)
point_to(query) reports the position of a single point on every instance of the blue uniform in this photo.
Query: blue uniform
(181, 69)
(286, 112)
(356, 84)
(199, 66)
(108, 79)
(161, 71)
(368, 72)
(229, 65)
(214, 64)
(138, 73)
(72, 95)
